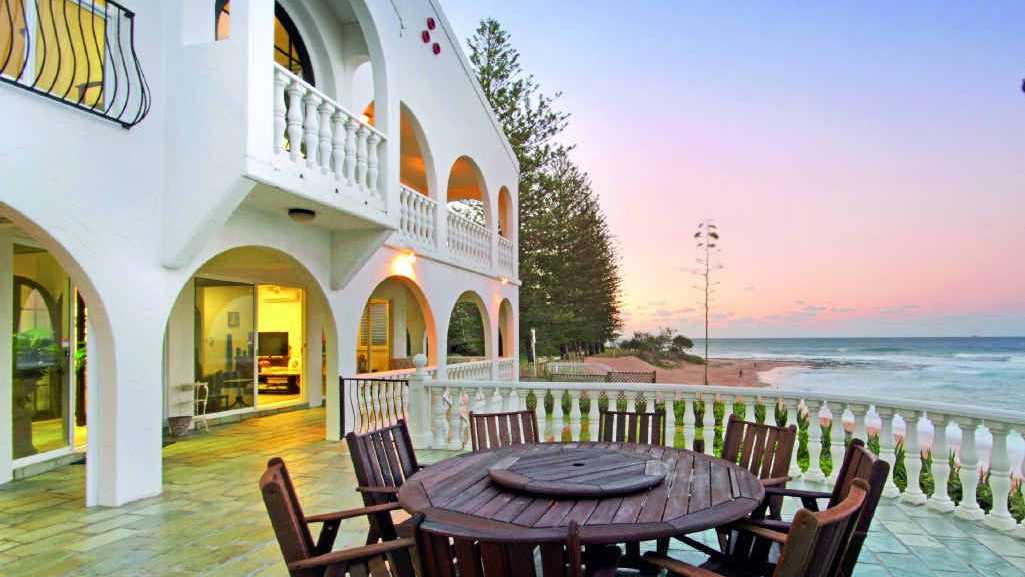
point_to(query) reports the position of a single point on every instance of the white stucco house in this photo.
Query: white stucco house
(252, 194)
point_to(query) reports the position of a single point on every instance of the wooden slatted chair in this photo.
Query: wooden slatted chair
(382, 460)
(632, 427)
(816, 545)
(442, 555)
(306, 558)
(858, 463)
(627, 427)
(494, 430)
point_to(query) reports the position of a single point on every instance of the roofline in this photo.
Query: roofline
(468, 69)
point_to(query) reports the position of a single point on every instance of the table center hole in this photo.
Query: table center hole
(578, 464)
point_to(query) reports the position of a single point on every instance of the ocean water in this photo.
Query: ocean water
(982, 371)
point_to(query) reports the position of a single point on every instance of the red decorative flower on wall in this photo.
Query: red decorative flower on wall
(436, 48)
(431, 24)
(426, 36)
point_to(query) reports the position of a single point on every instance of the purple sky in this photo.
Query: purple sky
(865, 162)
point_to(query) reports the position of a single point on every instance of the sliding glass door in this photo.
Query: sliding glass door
(225, 343)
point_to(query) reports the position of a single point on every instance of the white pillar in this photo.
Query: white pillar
(558, 417)
(792, 418)
(859, 411)
(6, 375)
(688, 420)
(670, 401)
(886, 448)
(438, 411)
(574, 413)
(814, 472)
(708, 424)
(940, 500)
(969, 508)
(837, 438)
(419, 405)
(913, 494)
(750, 414)
(1000, 478)
(593, 413)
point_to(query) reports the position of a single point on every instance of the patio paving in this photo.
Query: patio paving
(210, 519)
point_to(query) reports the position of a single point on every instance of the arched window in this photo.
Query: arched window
(289, 49)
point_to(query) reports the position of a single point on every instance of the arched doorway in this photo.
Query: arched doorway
(396, 325)
(289, 48)
(466, 193)
(254, 327)
(506, 218)
(468, 330)
(415, 167)
(506, 330)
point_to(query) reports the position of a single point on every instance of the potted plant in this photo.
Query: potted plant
(35, 353)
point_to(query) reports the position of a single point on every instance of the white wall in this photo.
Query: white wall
(132, 214)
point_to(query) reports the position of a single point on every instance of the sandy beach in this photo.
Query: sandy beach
(725, 372)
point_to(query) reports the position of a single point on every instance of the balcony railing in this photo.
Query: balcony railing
(418, 218)
(506, 257)
(323, 142)
(77, 52)
(468, 241)
(473, 371)
(569, 411)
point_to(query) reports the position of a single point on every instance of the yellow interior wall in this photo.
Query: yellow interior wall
(217, 302)
(281, 310)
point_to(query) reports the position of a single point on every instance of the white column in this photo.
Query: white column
(593, 413)
(631, 401)
(814, 472)
(419, 405)
(708, 424)
(438, 411)
(886, 448)
(558, 417)
(497, 405)
(913, 494)
(513, 402)
(749, 408)
(940, 500)
(727, 403)
(350, 150)
(792, 419)
(311, 132)
(6, 350)
(969, 473)
(540, 415)
(670, 401)
(361, 157)
(1000, 478)
(327, 110)
(280, 81)
(338, 145)
(574, 413)
(372, 164)
(688, 420)
(859, 411)
(296, 91)
(837, 437)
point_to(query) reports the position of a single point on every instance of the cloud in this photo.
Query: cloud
(843, 310)
(897, 309)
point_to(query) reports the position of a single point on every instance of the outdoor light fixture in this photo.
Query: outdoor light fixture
(503, 280)
(301, 214)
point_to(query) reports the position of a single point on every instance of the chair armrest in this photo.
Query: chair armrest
(378, 489)
(774, 482)
(349, 555)
(758, 530)
(678, 567)
(351, 513)
(773, 524)
(808, 498)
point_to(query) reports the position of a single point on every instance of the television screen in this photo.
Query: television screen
(273, 344)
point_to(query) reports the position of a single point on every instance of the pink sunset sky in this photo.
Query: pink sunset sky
(865, 163)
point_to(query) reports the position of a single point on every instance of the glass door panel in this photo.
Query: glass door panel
(225, 347)
(41, 353)
(281, 348)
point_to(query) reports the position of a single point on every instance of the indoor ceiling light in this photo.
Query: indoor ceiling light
(301, 214)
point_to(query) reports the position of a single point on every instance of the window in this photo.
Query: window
(289, 49)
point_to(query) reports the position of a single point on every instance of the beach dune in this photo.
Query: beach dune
(723, 372)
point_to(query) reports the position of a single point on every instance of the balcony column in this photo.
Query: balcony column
(419, 404)
(553, 429)
(886, 448)
(327, 111)
(860, 412)
(296, 92)
(688, 419)
(669, 402)
(438, 411)
(792, 419)
(940, 500)
(1000, 478)
(574, 414)
(837, 439)
(969, 473)
(708, 424)
(814, 472)
(281, 80)
(913, 494)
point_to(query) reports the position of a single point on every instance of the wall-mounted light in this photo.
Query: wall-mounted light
(503, 280)
(402, 264)
(301, 214)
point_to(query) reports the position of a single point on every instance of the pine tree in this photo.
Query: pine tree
(569, 268)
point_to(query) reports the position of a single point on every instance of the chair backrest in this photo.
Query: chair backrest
(382, 458)
(764, 450)
(201, 394)
(494, 430)
(817, 542)
(860, 463)
(286, 515)
(629, 427)
(444, 556)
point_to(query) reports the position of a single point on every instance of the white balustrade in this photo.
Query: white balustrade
(468, 241)
(418, 218)
(837, 437)
(317, 138)
(506, 369)
(506, 257)
(506, 395)
(473, 371)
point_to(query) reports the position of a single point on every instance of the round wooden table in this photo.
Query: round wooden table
(699, 492)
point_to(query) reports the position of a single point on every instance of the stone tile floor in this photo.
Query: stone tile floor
(210, 519)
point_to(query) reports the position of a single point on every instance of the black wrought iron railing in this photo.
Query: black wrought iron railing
(77, 52)
(373, 403)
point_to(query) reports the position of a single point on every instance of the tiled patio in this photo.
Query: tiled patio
(210, 519)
